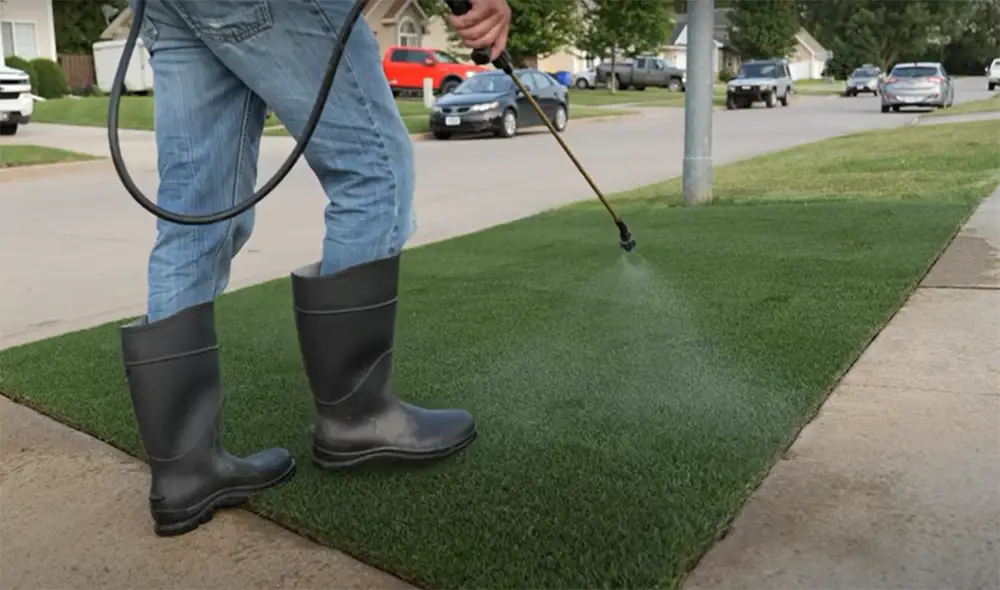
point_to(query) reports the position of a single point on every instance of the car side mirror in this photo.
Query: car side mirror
(429, 62)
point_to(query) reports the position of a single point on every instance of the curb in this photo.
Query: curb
(28, 172)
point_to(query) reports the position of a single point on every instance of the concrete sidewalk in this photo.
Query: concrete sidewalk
(896, 483)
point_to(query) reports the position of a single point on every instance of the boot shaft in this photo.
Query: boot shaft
(346, 325)
(173, 374)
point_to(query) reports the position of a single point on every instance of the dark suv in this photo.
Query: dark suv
(766, 80)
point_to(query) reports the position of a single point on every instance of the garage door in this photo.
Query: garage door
(800, 70)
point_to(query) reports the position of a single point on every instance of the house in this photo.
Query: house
(807, 61)
(27, 29)
(394, 22)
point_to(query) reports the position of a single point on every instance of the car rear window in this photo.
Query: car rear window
(915, 72)
(865, 72)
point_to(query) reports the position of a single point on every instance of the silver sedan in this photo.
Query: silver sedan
(919, 84)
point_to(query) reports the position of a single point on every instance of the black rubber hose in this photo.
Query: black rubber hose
(113, 113)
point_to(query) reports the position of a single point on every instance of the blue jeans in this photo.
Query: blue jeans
(217, 66)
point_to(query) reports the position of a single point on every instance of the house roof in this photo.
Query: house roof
(398, 7)
(721, 28)
(122, 19)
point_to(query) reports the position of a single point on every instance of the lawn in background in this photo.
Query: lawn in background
(16, 156)
(819, 87)
(651, 97)
(627, 404)
(986, 105)
(137, 113)
(417, 118)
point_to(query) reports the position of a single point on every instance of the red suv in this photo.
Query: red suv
(406, 68)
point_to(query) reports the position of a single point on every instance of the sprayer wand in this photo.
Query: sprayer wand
(504, 63)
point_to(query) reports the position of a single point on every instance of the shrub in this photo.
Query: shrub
(726, 75)
(19, 63)
(52, 81)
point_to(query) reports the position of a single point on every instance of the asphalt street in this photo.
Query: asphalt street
(73, 245)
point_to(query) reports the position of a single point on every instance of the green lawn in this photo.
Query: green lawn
(987, 105)
(819, 87)
(137, 113)
(651, 97)
(416, 117)
(15, 156)
(628, 404)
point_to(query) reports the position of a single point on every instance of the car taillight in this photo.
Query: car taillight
(891, 81)
(935, 79)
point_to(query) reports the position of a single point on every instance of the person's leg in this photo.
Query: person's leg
(208, 127)
(208, 132)
(361, 151)
(362, 154)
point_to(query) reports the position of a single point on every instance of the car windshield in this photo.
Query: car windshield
(756, 71)
(490, 82)
(914, 72)
(865, 73)
(445, 58)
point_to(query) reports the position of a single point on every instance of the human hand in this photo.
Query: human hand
(486, 25)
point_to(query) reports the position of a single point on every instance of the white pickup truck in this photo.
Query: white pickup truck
(993, 74)
(16, 103)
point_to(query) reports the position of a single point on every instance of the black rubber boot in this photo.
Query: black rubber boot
(172, 368)
(347, 324)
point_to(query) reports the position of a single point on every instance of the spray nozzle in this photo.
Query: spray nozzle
(625, 236)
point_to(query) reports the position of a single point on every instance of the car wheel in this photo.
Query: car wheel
(582, 84)
(442, 135)
(640, 88)
(885, 109)
(770, 100)
(561, 120)
(731, 103)
(508, 124)
(8, 128)
(784, 99)
(449, 85)
(675, 85)
(992, 86)
(746, 103)
(895, 109)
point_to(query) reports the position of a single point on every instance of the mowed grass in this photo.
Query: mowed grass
(628, 405)
(417, 118)
(986, 105)
(651, 97)
(137, 113)
(819, 87)
(16, 156)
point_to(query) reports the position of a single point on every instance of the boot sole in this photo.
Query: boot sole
(226, 498)
(332, 461)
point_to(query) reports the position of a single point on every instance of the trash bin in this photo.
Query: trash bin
(565, 78)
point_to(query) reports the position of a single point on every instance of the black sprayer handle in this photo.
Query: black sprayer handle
(481, 56)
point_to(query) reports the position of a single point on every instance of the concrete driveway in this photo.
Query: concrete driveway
(73, 245)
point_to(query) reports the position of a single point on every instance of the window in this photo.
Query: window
(408, 33)
(19, 39)
(408, 56)
(541, 80)
(445, 58)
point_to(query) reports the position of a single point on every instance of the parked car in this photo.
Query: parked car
(867, 78)
(993, 74)
(768, 81)
(917, 84)
(586, 79)
(406, 68)
(16, 103)
(491, 103)
(641, 73)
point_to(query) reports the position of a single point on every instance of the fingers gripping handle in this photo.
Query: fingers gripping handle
(480, 56)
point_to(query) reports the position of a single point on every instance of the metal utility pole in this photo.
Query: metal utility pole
(698, 102)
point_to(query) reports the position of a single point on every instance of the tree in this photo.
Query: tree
(79, 23)
(538, 28)
(764, 28)
(612, 28)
